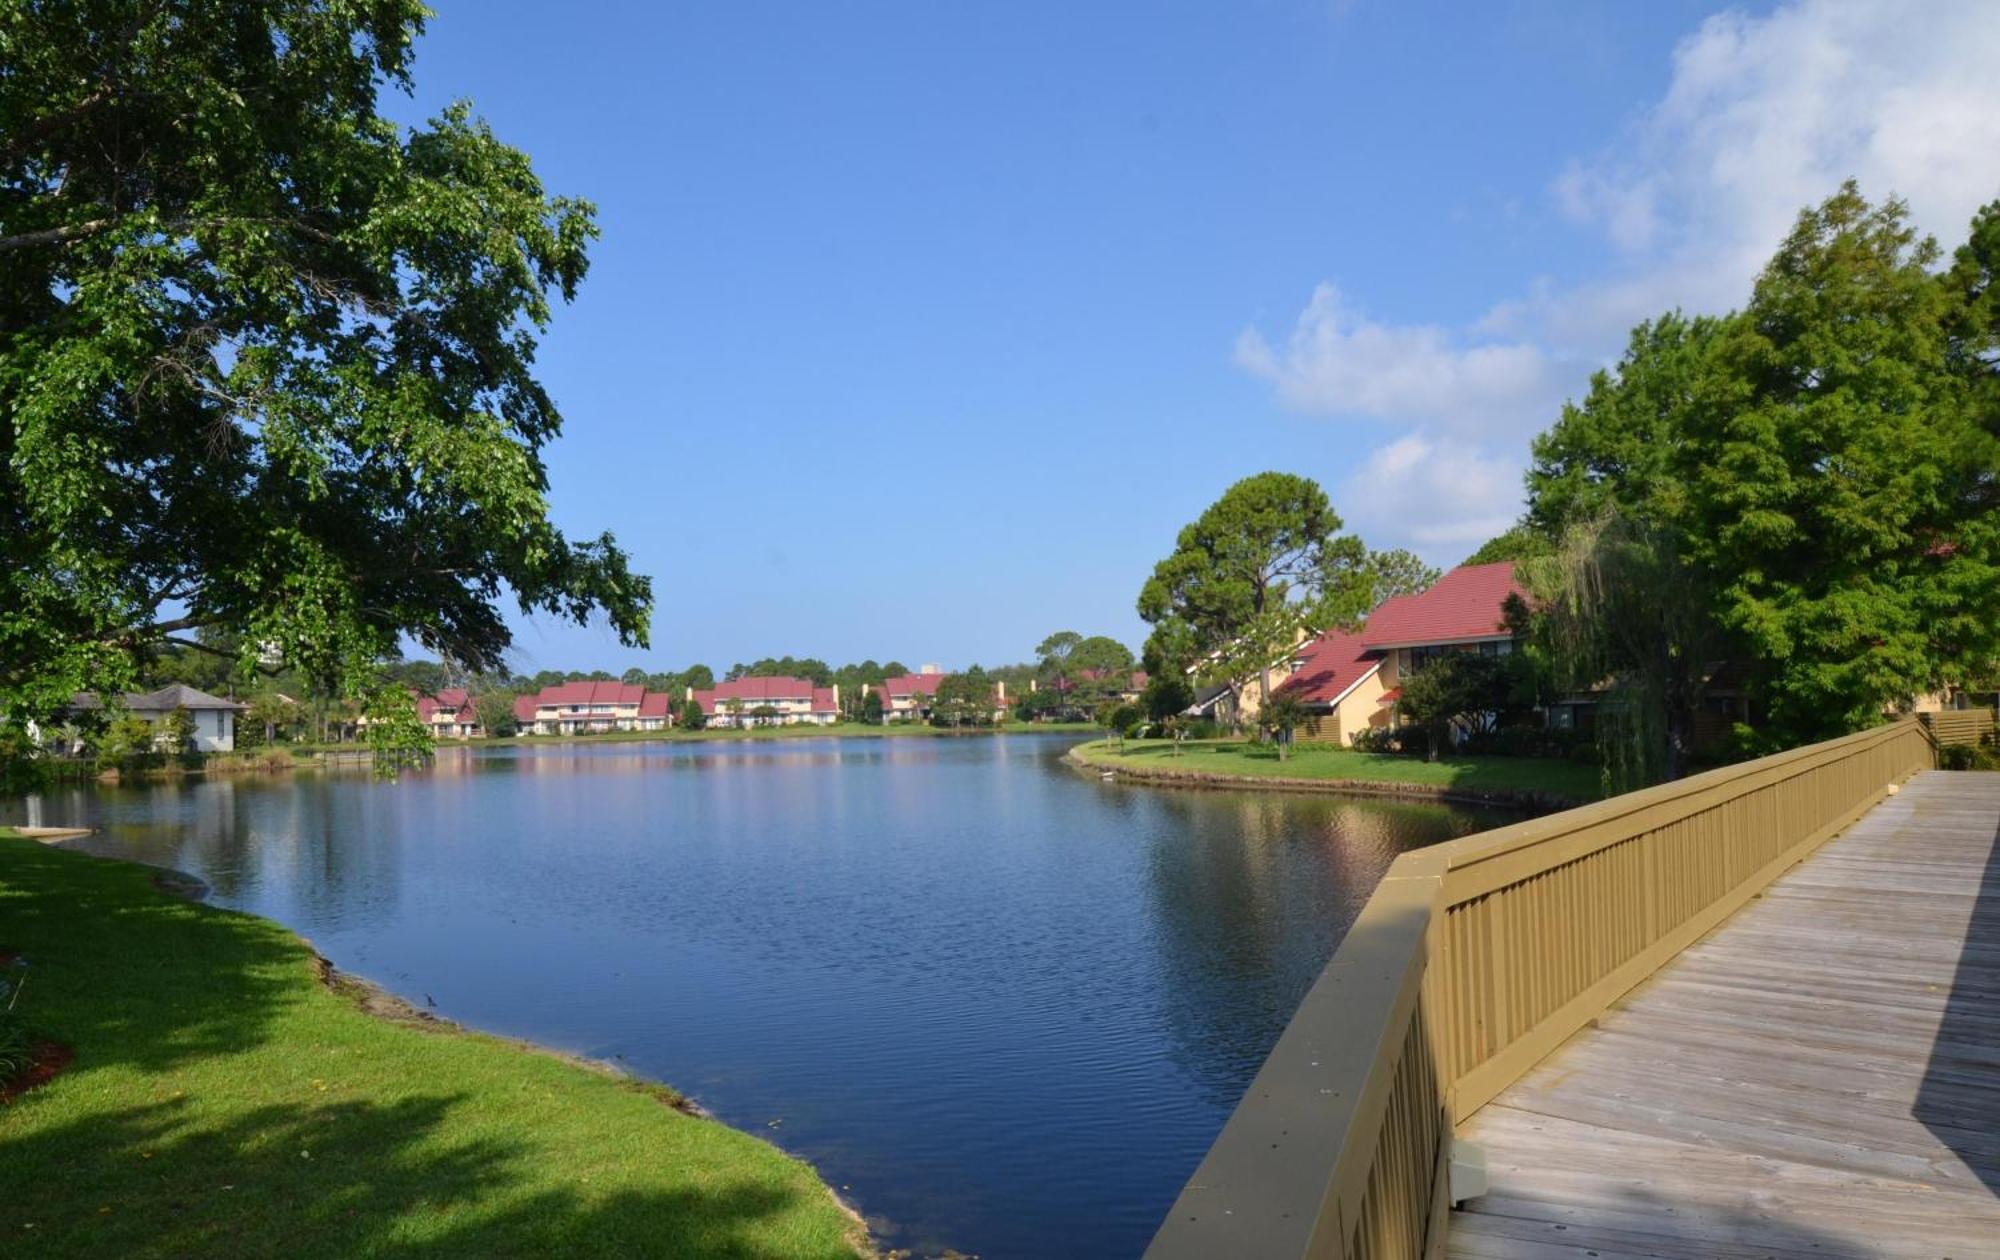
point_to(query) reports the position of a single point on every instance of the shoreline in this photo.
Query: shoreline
(290, 758)
(1533, 803)
(390, 1010)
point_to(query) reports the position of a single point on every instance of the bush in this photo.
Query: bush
(17, 1047)
(1204, 728)
(1967, 757)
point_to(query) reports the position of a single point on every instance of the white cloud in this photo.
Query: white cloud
(1339, 361)
(1443, 497)
(1763, 116)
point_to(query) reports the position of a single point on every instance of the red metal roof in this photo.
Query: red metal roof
(1329, 666)
(1467, 603)
(524, 709)
(656, 704)
(775, 688)
(912, 684)
(451, 700)
(570, 694)
(824, 700)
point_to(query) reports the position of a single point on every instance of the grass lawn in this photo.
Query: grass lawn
(223, 1101)
(1570, 779)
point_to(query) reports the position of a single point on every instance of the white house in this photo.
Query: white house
(214, 717)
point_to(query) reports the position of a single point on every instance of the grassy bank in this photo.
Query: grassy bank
(1322, 765)
(224, 1101)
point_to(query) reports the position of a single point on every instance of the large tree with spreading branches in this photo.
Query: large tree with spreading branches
(266, 357)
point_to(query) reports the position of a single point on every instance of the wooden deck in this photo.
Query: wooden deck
(1819, 1077)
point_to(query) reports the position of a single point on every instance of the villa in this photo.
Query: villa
(449, 715)
(1351, 681)
(769, 701)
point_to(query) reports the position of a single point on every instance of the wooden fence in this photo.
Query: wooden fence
(1960, 726)
(1473, 960)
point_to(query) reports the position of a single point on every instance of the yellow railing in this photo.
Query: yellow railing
(1473, 960)
(1961, 726)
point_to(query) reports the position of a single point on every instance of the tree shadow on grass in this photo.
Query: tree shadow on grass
(349, 1179)
(131, 975)
(1959, 1098)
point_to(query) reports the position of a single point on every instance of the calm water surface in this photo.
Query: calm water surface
(1003, 1006)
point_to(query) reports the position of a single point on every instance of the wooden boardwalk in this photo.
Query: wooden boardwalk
(1819, 1077)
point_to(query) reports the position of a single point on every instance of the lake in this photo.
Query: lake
(1003, 1007)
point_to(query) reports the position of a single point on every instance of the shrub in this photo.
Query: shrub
(1967, 757)
(17, 1048)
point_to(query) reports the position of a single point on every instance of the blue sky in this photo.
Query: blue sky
(918, 330)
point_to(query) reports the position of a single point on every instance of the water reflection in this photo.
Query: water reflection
(1008, 1005)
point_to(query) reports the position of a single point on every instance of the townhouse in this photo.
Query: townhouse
(589, 708)
(449, 715)
(769, 701)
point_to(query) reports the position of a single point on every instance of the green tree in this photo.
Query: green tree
(495, 711)
(1820, 467)
(266, 356)
(871, 707)
(1519, 543)
(1052, 654)
(693, 718)
(1458, 687)
(734, 707)
(178, 732)
(1262, 566)
(1282, 714)
(1103, 656)
(964, 699)
(271, 717)
(127, 742)
(1398, 572)
(764, 715)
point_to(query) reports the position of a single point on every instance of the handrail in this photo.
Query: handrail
(1962, 726)
(1473, 960)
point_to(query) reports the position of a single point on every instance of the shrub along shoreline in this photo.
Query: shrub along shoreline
(230, 1095)
(1540, 784)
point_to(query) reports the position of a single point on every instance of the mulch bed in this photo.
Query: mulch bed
(51, 1057)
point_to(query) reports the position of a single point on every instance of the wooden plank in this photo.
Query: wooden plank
(1819, 1075)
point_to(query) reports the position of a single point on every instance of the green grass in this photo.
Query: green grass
(1241, 759)
(223, 1101)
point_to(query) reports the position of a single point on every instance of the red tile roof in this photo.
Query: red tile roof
(656, 704)
(824, 700)
(1466, 604)
(1329, 667)
(524, 709)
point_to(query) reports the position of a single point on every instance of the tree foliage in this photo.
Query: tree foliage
(1398, 572)
(1250, 576)
(1462, 687)
(266, 357)
(1811, 481)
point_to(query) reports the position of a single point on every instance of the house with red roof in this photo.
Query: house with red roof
(449, 715)
(769, 701)
(907, 698)
(1350, 681)
(592, 708)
